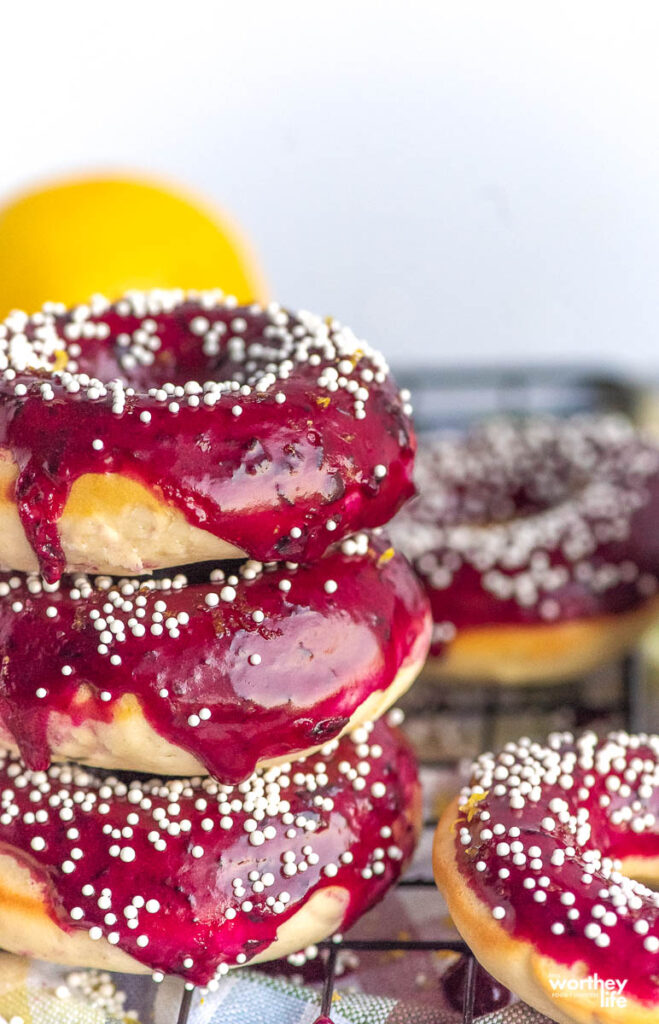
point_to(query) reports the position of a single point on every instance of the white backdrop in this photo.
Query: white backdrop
(459, 181)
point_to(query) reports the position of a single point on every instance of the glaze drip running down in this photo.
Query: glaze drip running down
(536, 521)
(276, 432)
(236, 668)
(126, 860)
(542, 839)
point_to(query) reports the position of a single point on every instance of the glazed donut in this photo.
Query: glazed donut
(538, 546)
(212, 674)
(190, 877)
(534, 860)
(168, 429)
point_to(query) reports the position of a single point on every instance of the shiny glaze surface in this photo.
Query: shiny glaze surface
(541, 831)
(537, 521)
(236, 669)
(190, 877)
(276, 432)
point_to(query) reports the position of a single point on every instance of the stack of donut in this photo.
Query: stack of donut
(537, 544)
(198, 610)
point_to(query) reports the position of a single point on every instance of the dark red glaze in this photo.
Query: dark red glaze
(608, 790)
(249, 478)
(323, 813)
(537, 521)
(489, 994)
(276, 671)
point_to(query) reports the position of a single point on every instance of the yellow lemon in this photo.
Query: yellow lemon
(72, 238)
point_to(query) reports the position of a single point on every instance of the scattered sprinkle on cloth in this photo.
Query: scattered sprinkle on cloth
(32, 992)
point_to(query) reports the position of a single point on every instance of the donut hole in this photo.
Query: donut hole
(187, 345)
(495, 487)
(512, 469)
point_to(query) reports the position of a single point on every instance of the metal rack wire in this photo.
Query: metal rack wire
(513, 390)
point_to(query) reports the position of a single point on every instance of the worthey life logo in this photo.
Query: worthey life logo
(610, 990)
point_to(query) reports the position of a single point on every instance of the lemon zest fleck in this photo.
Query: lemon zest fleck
(386, 556)
(470, 807)
(60, 360)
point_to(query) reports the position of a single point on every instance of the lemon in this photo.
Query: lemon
(72, 238)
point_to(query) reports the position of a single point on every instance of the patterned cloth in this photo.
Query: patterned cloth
(35, 993)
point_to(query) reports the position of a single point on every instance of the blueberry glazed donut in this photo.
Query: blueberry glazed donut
(537, 544)
(535, 860)
(212, 672)
(168, 429)
(189, 877)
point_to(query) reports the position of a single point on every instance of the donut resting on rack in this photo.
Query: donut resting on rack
(537, 544)
(538, 860)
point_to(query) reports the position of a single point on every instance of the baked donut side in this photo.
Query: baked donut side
(216, 672)
(117, 739)
(535, 541)
(29, 930)
(171, 423)
(533, 653)
(95, 870)
(534, 859)
(109, 521)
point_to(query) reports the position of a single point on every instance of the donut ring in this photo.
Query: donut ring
(531, 858)
(168, 429)
(219, 675)
(537, 544)
(99, 872)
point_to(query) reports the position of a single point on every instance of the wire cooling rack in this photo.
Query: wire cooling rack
(463, 396)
